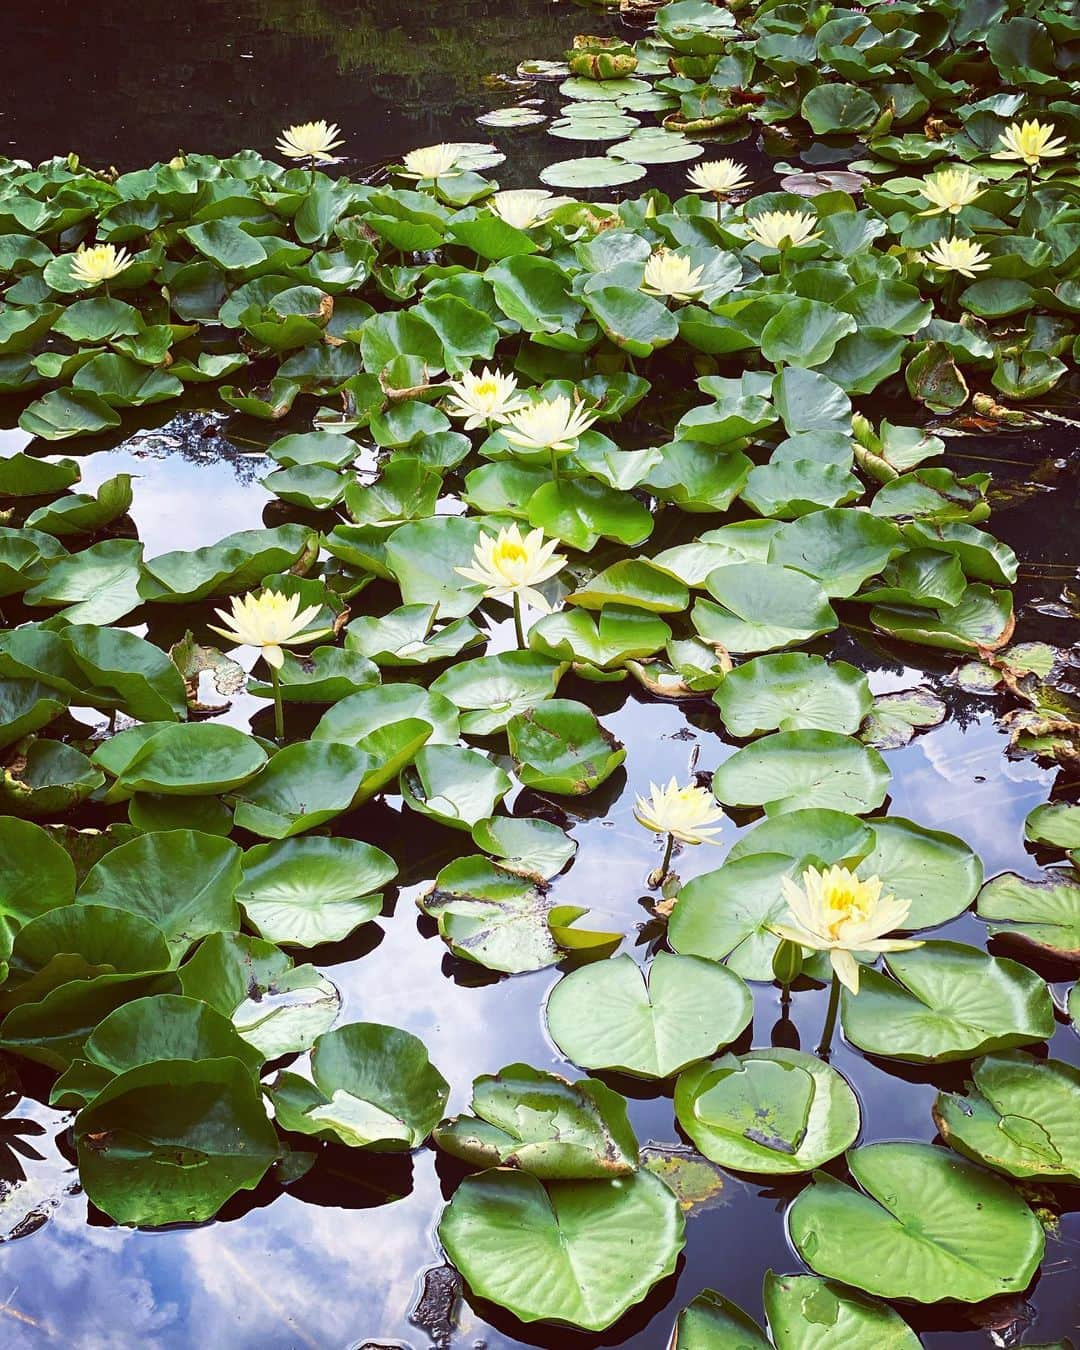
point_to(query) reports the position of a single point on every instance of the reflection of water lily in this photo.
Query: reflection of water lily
(483, 398)
(837, 912)
(950, 190)
(510, 567)
(686, 813)
(782, 229)
(525, 207)
(964, 256)
(431, 161)
(1031, 142)
(718, 176)
(100, 263)
(671, 275)
(268, 621)
(310, 140)
(550, 424)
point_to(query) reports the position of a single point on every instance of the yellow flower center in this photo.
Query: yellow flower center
(486, 389)
(509, 552)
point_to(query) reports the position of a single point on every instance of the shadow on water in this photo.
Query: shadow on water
(313, 1265)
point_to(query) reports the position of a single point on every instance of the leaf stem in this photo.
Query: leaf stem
(830, 1018)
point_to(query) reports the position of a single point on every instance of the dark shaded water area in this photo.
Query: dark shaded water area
(339, 1260)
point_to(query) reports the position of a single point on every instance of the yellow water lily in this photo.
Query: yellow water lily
(483, 398)
(1031, 142)
(964, 256)
(269, 621)
(837, 912)
(525, 207)
(950, 190)
(688, 813)
(782, 229)
(431, 161)
(549, 424)
(718, 177)
(99, 263)
(511, 567)
(673, 276)
(314, 141)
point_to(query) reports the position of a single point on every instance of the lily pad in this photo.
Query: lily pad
(795, 769)
(539, 1123)
(374, 1088)
(793, 692)
(926, 1226)
(601, 1245)
(769, 1111)
(727, 914)
(300, 892)
(612, 1015)
(559, 746)
(1019, 1115)
(945, 1001)
(937, 872)
(1043, 914)
(761, 607)
(453, 785)
(491, 690)
(807, 1313)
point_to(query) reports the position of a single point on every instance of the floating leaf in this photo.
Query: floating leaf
(795, 769)
(559, 746)
(612, 1015)
(1043, 914)
(793, 692)
(728, 914)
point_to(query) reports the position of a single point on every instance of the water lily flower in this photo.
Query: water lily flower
(314, 141)
(684, 813)
(483, 398)
(964, 256)
(269, 621)
(782, 229)
(525, 207)
(1030, 142)
(950, 190)
(837, 912)
(718, 177)
(671, 275)
(98, 264)
(431, 161)
(550, 424)
(510, 567)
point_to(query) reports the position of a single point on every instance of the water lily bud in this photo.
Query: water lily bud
(787, 962)
(863, 431)
(178, 162)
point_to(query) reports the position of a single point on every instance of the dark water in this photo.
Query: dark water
(338, 1261)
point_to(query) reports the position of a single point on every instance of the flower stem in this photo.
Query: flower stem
(279, 710)
(554, 467)
(667, 857)
(830, 1019)
(519, 626)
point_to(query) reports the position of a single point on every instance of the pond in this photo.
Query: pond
(346, 1254)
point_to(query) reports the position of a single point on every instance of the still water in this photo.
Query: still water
(342, 1259)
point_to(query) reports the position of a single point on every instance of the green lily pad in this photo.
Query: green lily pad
(407, 637)
(926, 1226)
(762, 606)
(300, 892)
(601, 1245)
(559, 746)
(840, 548)
(1019, 1115)
(170, 1142)
(769, 1111)
(807, 1313)
(727, 914)
(795, 769)
(186, 759)
(539, 1123)
(824, 835)
(1056, 824)
(453, 785)
(945, 1001)
(180, 880)
(532, 848)
(353, 719)
(374, 1088)
(612, 1015)
(1042, 914)
(712, 1322)
(793, 692)
(491, 690)
(937, 872)
(279, 1008)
